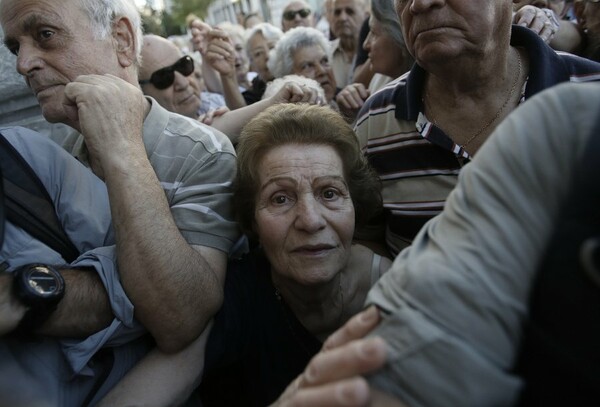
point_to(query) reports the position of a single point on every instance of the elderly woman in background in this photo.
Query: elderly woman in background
(301, 185)
(304, 51)
(388, 57)
(472, 69)
(261, 39)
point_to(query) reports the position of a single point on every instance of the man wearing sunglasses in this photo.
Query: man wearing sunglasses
(297, 14)
(167, 76)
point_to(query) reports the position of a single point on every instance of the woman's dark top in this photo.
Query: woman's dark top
(257, 347)
(256, 92)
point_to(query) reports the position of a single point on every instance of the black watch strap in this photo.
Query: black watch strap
(40, 287)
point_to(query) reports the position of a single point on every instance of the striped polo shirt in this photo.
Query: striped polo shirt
(417, 162)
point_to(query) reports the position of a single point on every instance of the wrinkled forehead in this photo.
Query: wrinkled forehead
(23, 14)
(295, 6)
(355, 5)
(26, 17)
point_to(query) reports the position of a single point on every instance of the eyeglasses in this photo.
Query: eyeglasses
(291, 14)
(164, 77)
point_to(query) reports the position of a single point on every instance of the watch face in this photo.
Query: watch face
(43, 281)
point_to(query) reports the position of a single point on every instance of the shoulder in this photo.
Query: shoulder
(580, 69)
(179, 133)
(384, 100)
(39, 151)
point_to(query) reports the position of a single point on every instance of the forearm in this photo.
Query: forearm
(232, 122)
(231, 92)
(84, 310)
(161, 379)
(363, 73)
(174, 289)
(212, 79)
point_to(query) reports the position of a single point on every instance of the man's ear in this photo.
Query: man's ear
(124, 37)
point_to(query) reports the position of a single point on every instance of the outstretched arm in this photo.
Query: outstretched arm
(232, 122)
(161, 379)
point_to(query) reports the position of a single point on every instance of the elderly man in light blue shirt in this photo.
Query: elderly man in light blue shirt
(82, 206)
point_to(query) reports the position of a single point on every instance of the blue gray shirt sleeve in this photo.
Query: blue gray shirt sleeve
(456, 299)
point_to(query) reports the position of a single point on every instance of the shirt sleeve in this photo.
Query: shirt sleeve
(123, 329)
(456, 300)
(82, 206)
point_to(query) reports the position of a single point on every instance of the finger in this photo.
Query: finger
(295, 92)
(342, 102)
(310, 95)
(352, 392)
(355, 100)
(357, 327)
(355, 358)
(363, 92)
(547, 32)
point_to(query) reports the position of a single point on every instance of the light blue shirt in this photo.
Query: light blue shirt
(61, 369)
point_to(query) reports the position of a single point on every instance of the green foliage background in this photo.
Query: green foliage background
(165, 24)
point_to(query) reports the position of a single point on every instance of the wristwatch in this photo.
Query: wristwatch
(40, 287)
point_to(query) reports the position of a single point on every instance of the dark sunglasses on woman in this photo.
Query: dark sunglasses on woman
(164, 77)
(291, 14)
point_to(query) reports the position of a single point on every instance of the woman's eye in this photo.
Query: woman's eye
(279, 199)
(330, 194)
(45, 34)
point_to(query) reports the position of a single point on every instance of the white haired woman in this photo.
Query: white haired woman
(304, 51)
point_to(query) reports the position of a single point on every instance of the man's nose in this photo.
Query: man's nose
(28, 60)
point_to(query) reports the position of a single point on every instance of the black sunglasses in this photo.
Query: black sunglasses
(291, 14)
(164, 77)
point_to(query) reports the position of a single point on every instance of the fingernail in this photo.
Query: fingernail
(369, 348)
(352, 393)
(370, 315)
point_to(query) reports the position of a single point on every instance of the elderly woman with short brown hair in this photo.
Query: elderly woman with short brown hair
(302, 185)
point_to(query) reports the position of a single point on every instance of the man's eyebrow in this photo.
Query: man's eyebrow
(26, 25)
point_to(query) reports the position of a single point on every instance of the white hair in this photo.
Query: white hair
(104, 13)
(269, 31)
(281, 58)
(275, 85)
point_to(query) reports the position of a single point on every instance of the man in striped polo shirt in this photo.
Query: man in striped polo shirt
(472, 69)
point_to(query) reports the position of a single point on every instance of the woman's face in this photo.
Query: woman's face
(437, 32)
(259, 49)
(241, 60)
(304, 215)
(385, 55)
(313, 62)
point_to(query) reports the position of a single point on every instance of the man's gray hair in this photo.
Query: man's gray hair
(268, 31)
(281, 58)
(103, 14)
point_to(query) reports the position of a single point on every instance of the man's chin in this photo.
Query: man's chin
(54, 115)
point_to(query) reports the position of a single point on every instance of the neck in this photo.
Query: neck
(467, 112)
(348, 45)
(319, 308)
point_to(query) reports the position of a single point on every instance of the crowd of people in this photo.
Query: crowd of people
(394, 205)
